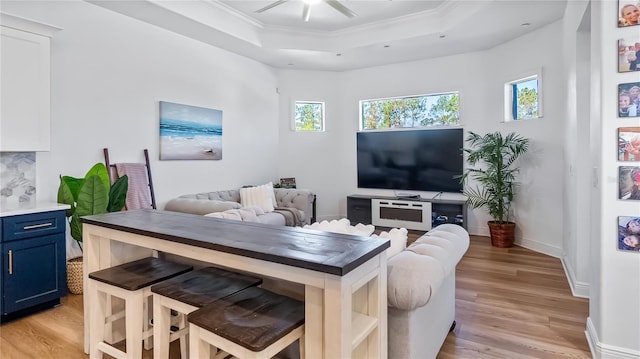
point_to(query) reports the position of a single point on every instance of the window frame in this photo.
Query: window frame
(510, 104)
(314, 102)
(437, 94)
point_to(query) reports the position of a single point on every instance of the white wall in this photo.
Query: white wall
(577, 172)
(614, 314)
(479, 77)
(108, 74)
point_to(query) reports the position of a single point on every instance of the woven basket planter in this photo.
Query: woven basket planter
(502, 234)
(74, 275)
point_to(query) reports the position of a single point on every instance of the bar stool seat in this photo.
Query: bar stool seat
(185, 294)
(132, 283)
(252, 323)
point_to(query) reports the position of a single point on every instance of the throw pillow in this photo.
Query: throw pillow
(398, 238)
(260, 196)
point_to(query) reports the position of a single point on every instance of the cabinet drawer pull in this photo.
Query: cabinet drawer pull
(10, 262)
(37, 226)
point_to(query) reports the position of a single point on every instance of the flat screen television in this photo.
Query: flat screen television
(419, 160)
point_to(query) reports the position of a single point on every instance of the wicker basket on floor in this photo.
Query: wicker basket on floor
(74, 275)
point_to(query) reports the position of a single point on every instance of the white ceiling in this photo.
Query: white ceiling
(383, 31)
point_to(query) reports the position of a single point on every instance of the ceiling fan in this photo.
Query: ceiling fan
(306, 11)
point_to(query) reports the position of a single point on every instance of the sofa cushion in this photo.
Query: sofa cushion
(260, 196)
(398, 238)
(342, 226)
(199, 206)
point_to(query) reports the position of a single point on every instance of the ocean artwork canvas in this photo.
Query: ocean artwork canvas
(190, 132)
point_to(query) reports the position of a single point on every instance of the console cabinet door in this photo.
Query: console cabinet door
(359, 210)
(33, 271)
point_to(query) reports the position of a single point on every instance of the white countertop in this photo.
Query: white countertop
(14, 209)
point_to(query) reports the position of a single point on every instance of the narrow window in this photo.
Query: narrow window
(523, 99)
(309, 116)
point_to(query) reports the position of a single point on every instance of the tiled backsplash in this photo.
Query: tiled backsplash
(17, 177)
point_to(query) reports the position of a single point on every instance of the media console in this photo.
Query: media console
(419, 214)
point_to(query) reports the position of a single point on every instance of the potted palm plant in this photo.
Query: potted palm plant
(92, 194)
(495, 180)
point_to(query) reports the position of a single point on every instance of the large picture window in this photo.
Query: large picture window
(523, 98)
(410, 111)
(309, 116)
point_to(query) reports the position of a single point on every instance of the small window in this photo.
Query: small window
(309, 116)
(523, 99)
(410, 111)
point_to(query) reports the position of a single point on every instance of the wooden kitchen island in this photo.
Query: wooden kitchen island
(345, 276)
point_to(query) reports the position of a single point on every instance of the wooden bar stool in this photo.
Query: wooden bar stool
(251, 324)
(132, 283)
(185, 294)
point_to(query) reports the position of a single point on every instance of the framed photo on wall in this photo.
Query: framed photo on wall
(628, 13)
(629, 54)
(629, 233)
(629, 99)
(629, 183)
(629, 144)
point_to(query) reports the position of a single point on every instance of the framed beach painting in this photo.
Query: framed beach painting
(190, 132)
(629, 54)
(629, 144)
(628, 13)
(629, 99)
(629, 183)
(629, 233)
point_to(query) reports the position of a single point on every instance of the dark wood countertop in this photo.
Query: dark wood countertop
(325, 252)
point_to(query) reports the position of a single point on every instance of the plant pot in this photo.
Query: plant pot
(74, 275)
(502, 234)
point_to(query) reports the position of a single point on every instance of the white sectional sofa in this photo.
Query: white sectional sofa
(421, 292)
(421, 280)
(293, 207)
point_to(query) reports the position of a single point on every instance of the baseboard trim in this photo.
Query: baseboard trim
(605, 351)
(539, 247)
(578, 289)
(522, 242)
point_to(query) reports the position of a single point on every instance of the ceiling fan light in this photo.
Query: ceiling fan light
(311, 2)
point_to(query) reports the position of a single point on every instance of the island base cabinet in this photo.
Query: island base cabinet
(33, 275)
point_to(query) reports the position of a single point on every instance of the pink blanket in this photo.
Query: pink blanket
(138, 194)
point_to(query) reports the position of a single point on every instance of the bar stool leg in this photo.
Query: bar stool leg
(161, 321)
(184, 340)
(146, 327)
(303, 350)
(134, 326)
(199, 348)
(97, 315)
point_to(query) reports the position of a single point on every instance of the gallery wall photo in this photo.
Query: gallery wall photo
(629, 233)
(190, 132)
(629, 99)
(629, 182)
(628, 13)
(628, 144)
(629, 54)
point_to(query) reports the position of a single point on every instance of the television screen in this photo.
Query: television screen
(419, 160)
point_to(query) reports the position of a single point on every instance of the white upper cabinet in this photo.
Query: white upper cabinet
(25, 85)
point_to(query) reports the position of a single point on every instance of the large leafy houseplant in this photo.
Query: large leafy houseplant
(90, 195)
(495, 188)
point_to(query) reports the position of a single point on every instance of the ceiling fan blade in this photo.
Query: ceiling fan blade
(341, 8)
(306, 12)
(279, 2)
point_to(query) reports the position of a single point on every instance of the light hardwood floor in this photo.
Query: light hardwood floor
(510, 303)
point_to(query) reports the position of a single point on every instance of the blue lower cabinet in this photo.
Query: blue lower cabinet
(33, 264)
